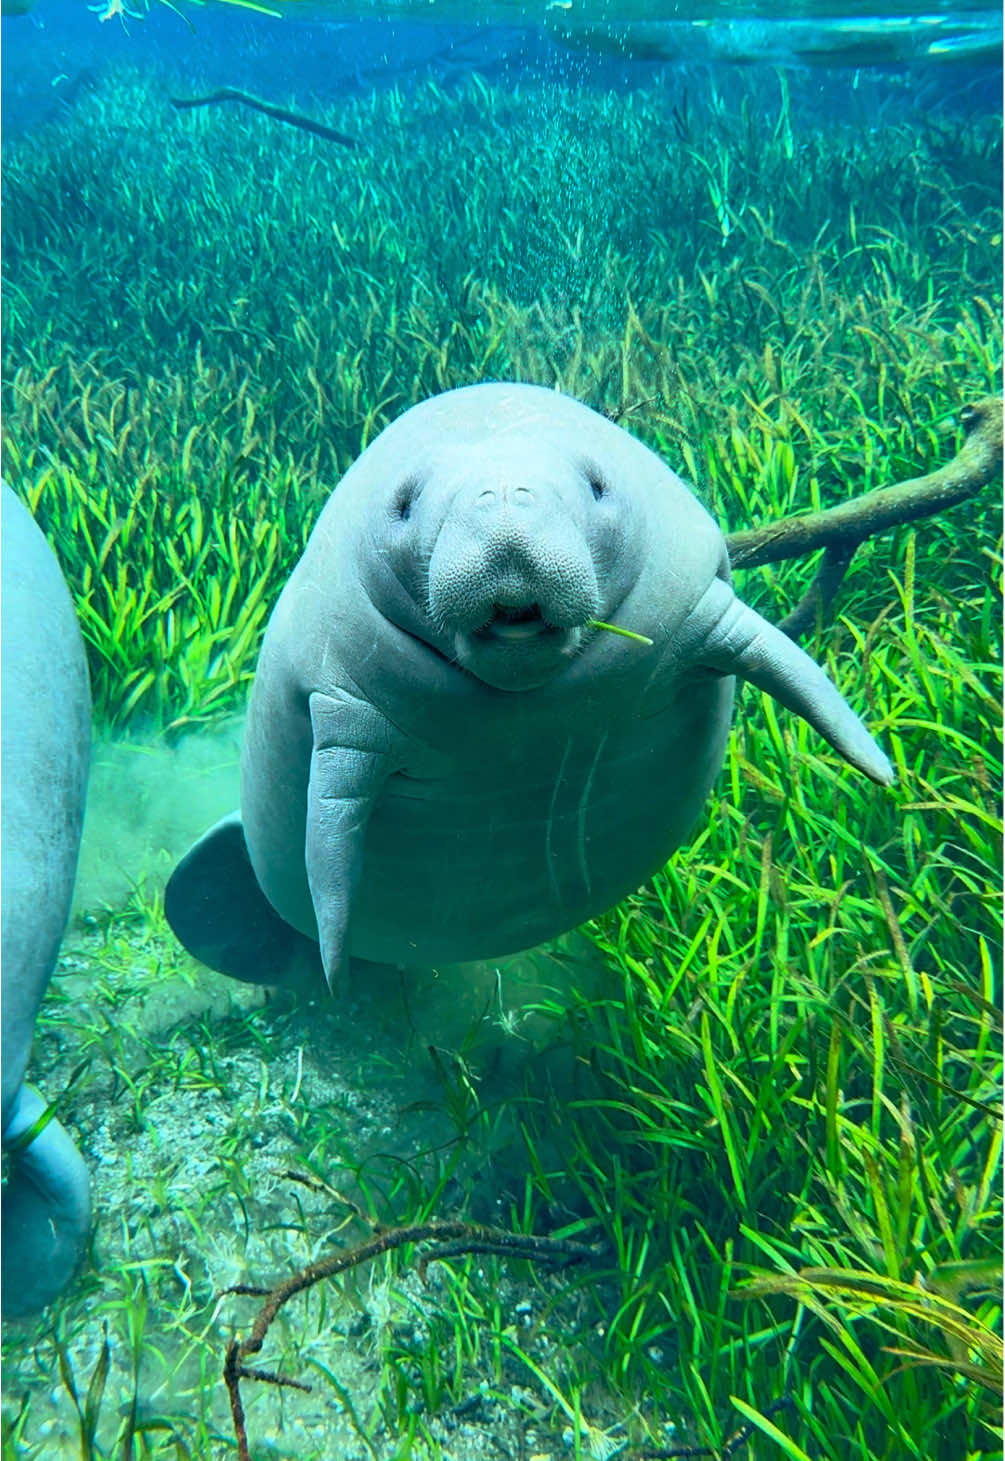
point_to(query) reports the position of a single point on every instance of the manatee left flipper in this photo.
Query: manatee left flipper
(353, 757)
(217, 909)
(735, 640)
(46, 1209)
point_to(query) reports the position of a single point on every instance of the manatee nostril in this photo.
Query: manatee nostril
(597, 484)
(404, 499)
(519, 496)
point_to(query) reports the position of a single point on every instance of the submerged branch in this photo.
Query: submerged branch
(279, 114)
(843, 527)
(448, 1239)
(839, 530)
(820, 592)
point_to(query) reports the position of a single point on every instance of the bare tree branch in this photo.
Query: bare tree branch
(820, 592)
(449, 1239)
(279, 114)
(843, 527)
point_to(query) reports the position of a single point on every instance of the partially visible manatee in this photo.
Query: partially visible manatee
(445, 759)
(45, 719)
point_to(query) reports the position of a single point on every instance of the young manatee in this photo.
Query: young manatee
(45, 720)
(445, 759)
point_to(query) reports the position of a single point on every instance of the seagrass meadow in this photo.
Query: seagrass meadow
(767, 1087)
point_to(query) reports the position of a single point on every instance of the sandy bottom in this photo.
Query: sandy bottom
(233, 1138)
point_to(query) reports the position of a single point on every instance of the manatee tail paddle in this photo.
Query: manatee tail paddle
(218, 911)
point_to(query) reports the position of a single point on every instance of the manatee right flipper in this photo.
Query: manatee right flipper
(46, 1209)
(217, 909)
(351, 760)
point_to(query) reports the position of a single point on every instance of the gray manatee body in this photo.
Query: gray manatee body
(443, 759)
(46, 733)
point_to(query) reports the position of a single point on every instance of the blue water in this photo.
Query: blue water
(58, 49)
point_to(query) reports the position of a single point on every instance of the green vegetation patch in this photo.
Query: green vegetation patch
(778, 1103)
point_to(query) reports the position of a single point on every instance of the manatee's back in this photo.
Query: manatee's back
(45, 724)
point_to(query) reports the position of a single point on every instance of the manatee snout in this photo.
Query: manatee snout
(518, 560)
(512, 578)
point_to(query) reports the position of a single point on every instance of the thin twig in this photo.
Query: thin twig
(449, 1239)
(315, 1184)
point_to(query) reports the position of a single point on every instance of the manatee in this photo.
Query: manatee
(445, 759)
(45, 720)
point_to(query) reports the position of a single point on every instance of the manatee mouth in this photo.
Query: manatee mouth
(512, 625)
(517, 648)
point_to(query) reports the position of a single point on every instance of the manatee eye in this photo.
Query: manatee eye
(598, 485)
(404, 498)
